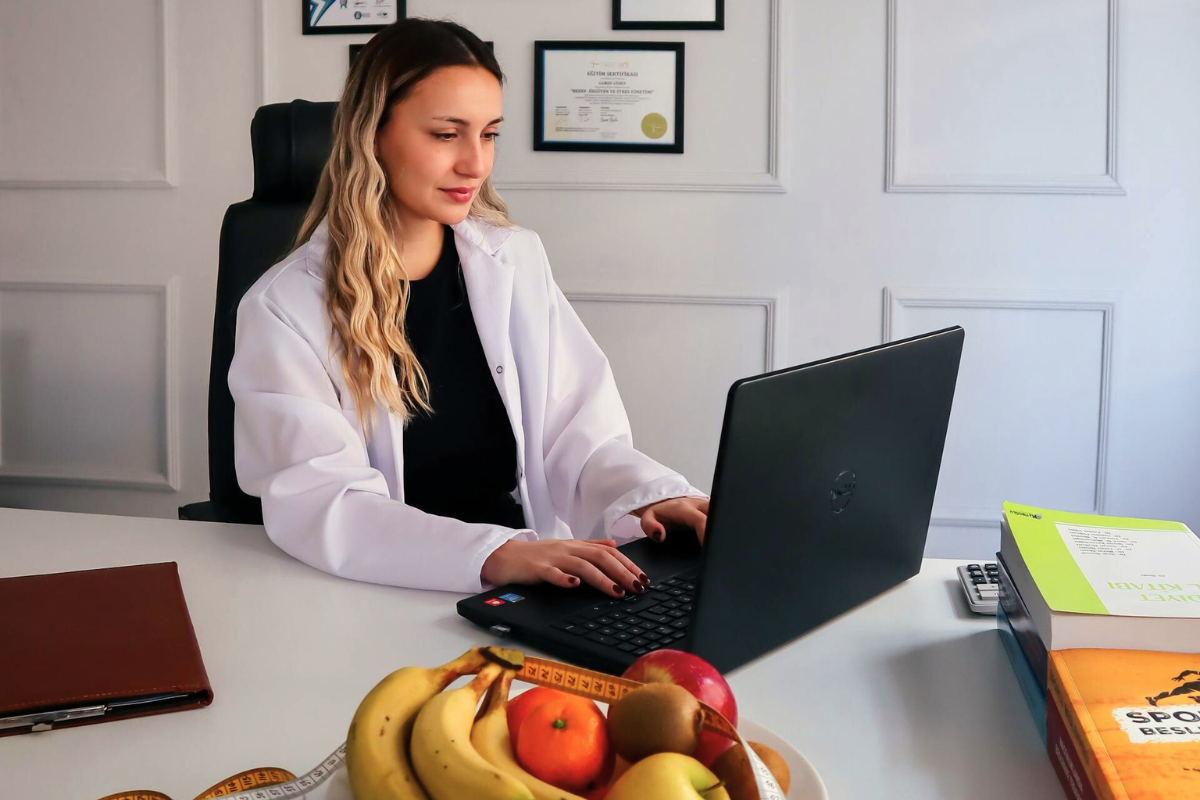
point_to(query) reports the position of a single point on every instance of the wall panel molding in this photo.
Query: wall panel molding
(89, 476)
(895, 300)
(1107, 183)
(772, 333)
(773, 180)
(165, 174)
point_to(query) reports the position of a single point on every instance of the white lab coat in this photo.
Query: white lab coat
(336, 501)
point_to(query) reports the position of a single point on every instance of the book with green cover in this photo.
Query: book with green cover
(1104, 582)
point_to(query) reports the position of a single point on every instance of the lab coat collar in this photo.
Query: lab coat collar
(489, 280)
(483, 235)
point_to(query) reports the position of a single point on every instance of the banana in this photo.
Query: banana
(491, 739)
(442, 754)
(377, 760)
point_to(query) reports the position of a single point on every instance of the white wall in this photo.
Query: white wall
(854, 171)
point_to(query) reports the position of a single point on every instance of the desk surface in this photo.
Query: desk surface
(908, 696)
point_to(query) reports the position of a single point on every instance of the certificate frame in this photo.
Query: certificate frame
(541, 48)
(308, 29)
(619, 23)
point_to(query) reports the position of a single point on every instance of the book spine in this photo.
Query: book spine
(1022, 624)
(1068, 766)
(1081, 731)
(1035, 693)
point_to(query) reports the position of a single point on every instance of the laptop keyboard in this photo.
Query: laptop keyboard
(639, 623)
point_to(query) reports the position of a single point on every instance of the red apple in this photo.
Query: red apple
(698, 677)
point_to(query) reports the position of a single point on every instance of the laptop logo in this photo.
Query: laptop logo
(843, 489)
(494, 601)
(512, 597)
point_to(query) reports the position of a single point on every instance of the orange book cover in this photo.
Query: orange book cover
(1133, 718)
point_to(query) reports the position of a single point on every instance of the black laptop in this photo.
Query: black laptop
(821, 501)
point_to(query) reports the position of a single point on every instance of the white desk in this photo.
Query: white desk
(909, 696)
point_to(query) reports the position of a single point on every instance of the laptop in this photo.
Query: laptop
(821, 500)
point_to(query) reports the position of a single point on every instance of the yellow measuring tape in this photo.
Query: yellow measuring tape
(250, 779)
(538, 671)
(601, 687)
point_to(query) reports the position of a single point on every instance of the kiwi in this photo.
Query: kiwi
(734, 769)
(655, 718)
(775, 763)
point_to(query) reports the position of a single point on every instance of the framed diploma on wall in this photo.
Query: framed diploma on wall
(350, 16)
(669, 15)
(608, 97)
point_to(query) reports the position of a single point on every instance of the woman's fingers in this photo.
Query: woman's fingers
(634, 570)
(697, 519)
(654, 520)
(651, 526)
(605, 558)
(590, 574)
(551, 574)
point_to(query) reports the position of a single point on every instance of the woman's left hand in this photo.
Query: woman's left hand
(689, 511)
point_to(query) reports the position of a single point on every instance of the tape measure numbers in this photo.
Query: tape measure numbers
(603, 688)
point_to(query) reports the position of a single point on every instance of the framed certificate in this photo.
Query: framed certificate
(669, 15)
(608, 97)
(350, 16)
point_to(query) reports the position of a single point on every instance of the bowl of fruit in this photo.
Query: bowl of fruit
(526, 729)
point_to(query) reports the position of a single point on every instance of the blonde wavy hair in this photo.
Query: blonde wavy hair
(366, 284)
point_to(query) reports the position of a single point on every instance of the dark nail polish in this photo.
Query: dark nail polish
(637, 587)
(657, 536)
(573, 581)
(620, 592)
(645, 581)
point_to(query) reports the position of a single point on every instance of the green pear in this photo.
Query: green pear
(668, 776)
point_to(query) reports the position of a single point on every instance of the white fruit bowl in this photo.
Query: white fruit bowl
(806, 783)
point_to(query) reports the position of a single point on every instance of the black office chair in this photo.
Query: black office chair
(291, 142)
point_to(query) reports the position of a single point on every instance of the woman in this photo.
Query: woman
(416, 402)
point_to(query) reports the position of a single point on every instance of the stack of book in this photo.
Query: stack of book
(1100, 617)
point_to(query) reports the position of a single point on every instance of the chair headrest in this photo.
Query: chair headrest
(291, 142)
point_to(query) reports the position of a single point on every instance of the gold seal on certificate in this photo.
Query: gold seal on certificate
(350, 16)
(609, 96)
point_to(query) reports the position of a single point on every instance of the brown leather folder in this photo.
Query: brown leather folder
(84, 647)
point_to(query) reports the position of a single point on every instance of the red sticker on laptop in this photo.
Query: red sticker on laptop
(494, 601)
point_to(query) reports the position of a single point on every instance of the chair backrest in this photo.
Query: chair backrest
(291, 142)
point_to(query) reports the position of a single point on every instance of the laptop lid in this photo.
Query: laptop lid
(823, 492)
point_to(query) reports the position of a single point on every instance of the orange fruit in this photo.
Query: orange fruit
(520, 706)
(564, 742)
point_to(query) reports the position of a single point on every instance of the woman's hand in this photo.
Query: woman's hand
(565, 562)
(687, 511)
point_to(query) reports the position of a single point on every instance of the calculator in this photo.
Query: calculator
(981, 583)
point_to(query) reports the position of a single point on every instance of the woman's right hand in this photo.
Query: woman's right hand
(565, 562)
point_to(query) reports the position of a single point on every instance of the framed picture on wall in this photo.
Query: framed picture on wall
(669, 15)
(350, 16)
(608, 97)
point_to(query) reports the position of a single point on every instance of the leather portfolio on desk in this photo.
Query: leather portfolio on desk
(96, 645)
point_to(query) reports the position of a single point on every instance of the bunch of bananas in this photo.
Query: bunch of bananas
(412, 740)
